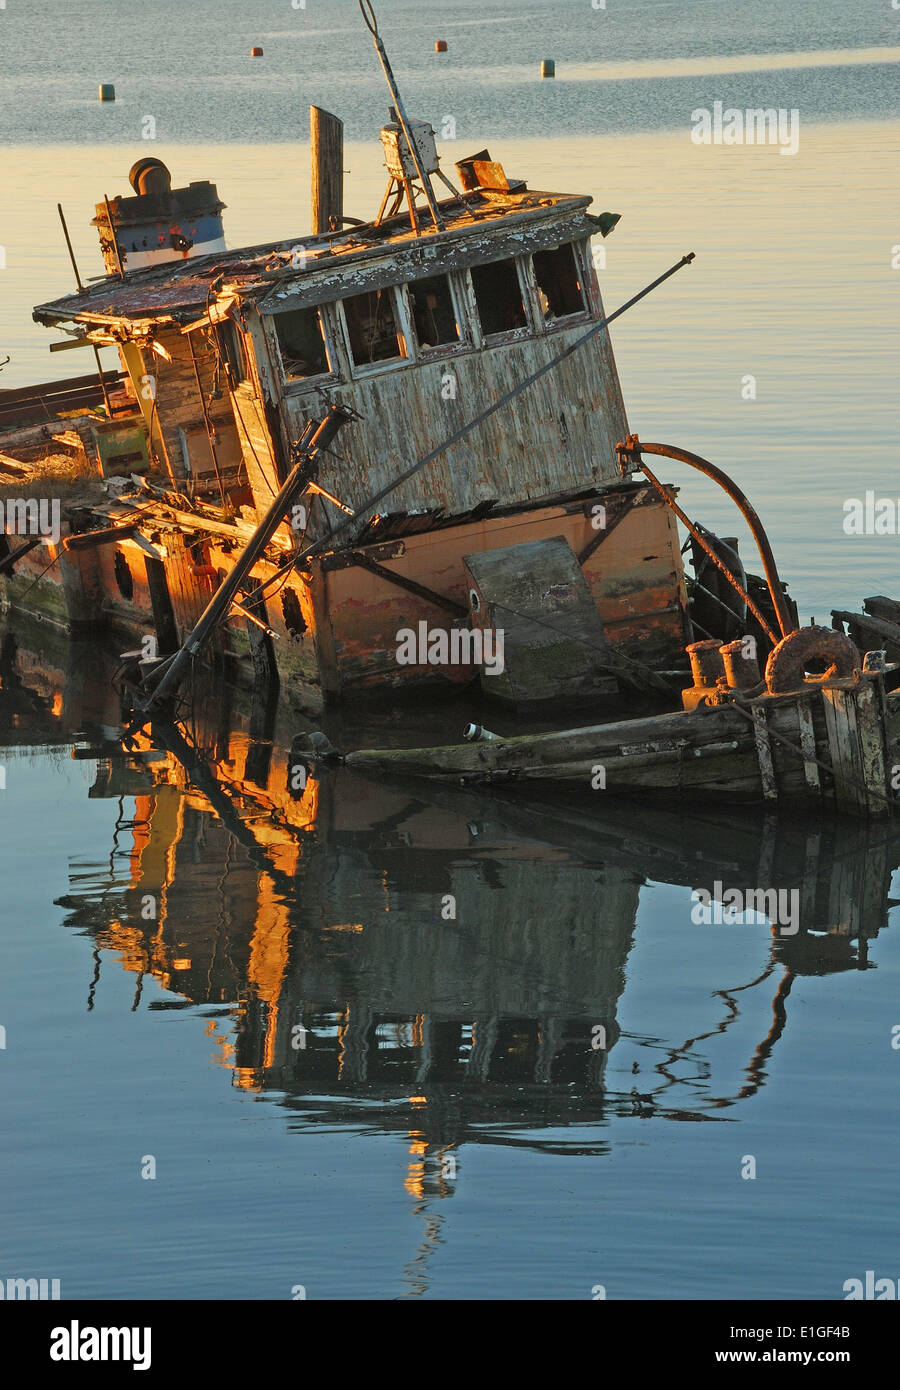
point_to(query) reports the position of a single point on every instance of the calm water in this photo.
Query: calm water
(344, 1086)
(448, 1130)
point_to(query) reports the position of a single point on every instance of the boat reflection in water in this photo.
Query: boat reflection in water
(442, 964)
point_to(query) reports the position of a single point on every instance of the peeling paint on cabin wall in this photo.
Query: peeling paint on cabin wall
(558, 435)
(637, 582)
(262, 426)
(633, 575)
(511, 230)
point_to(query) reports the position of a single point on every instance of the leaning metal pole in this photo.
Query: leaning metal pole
(221, 600)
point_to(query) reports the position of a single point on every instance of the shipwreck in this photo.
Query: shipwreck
(393, 455)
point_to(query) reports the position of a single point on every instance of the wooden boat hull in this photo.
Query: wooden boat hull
(826, 746)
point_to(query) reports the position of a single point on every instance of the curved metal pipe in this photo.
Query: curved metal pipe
(633, 448)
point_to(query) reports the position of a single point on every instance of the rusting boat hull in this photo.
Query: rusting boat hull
(336, 623)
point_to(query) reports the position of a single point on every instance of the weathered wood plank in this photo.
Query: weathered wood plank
(873, 763)
(879, 606)
(326, 138)
(808, 745)
(764, 754)
(842, 741)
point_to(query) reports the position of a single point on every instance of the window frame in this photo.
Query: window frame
(460, 310)
(529, 301)
(581, 315)
(402, 317)
(294, 385)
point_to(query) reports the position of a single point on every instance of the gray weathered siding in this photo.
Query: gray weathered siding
(558, 435)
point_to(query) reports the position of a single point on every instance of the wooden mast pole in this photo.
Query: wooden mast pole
(326, 135)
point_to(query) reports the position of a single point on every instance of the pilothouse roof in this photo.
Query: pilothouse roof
(480, 225)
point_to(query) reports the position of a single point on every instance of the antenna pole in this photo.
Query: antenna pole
(368, 15)
(62, 218)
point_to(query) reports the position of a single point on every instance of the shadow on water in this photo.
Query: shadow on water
(442, 964)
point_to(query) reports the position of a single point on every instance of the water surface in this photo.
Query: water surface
(354, 1027)
(449, 1128)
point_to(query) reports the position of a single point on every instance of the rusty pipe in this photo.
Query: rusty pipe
(717, 560)
(634, 447)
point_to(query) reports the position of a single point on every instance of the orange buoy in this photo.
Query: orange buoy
(256, 53)
(440, 46)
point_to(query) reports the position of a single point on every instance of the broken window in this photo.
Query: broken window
(498, 295)
(372, 328)
(559, 283)
(434, 312)
(302, 342)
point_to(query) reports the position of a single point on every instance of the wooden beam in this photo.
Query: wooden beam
(11, 465)
(326, 134)
(808, 745)
(68, 343)
(764, 754)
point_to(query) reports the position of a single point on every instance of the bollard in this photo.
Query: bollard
(440, 46)
(741, 667)
(256, 53)
(548, 67)
(107, 91)
(706, 663)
